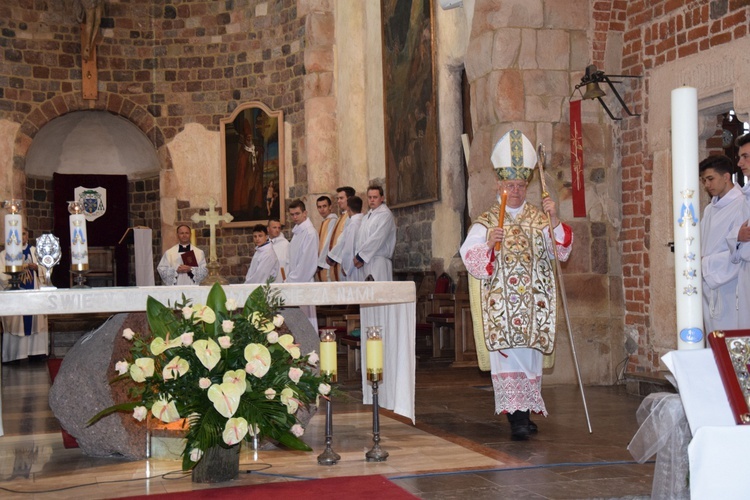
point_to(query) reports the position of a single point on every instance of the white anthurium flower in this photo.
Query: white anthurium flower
(205, 314)
(258, 359)
(235, 430)
(225, 398)
(165, 411)
(128, 334)
(235, 381)
(208, 352)
(142, 369)
(287, 342)
(261, 323)
(288, 399)
(177, 367)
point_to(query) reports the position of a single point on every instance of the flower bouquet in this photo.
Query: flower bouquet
(232, 374)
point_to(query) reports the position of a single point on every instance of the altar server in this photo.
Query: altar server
(324, 235)
(722, 217)
(342, 195)
(280, 245)
(265, 264)
(738, 239)
(24, 336)
(342, 254)
(303, 253)
(376, 239)
(518, 289)
(178, 269)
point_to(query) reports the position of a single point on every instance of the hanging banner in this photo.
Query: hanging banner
(576, 160)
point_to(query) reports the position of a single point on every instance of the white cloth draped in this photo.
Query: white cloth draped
(144, 256)
(720, 301)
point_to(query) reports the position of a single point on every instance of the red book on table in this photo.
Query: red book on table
(731, 350)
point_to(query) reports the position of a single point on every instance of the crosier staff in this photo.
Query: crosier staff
(541, 158)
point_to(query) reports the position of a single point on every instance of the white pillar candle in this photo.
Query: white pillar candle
(686, 213)
(79, 253)
(13, 246)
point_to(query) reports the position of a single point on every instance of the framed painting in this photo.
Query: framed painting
(410, 102)
(252, 150)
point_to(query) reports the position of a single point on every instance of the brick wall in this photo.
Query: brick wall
(655, 32)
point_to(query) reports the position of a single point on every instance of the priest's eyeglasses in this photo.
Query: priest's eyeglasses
(515, 187)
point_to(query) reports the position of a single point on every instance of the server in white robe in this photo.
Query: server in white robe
(343, 252)
(376, 239)
(265, 264)
(738, 239)
(723, 215)
(174, 271)
(303, 253)
(280, 246)
(24, 336)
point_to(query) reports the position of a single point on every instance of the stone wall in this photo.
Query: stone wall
(145, 210)
(414, 240)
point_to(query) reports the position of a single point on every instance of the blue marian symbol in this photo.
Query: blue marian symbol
(687, 212)
(691, 335)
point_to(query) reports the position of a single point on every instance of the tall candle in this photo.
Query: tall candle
(193, 238)
(328, 345)
(686, 212)
(79, 253)
(501, 215)
(374, 357)
(13, 241)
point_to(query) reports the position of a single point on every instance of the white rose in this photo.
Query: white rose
(139, 413)
(128, 333)
(195, 454)
(187, 312)
(225, 341)
(324, 389)
(231, 304)
(272, 337)
(295, 374)
(278, 320)
(313, 358)
(186, 338)
(122, 367)
(227, 326)
(270, 393)
(297, 430)
(204, 383)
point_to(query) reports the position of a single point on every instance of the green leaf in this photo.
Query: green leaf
(293, 442)
(160, 317)
(217, 300)
(108, 411)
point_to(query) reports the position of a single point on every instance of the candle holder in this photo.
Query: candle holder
(14, 282)
(375, 375)
(328, 370)
(80, 276)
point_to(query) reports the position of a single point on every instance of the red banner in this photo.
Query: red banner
(576, 160)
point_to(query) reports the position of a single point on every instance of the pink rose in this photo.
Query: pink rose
(204, 383)
(295, 374)
(186, 338)
(297, 430)
(225, 341)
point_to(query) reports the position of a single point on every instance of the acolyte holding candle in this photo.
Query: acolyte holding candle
(79, 253)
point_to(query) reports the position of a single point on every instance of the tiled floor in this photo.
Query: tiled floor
(458, 449)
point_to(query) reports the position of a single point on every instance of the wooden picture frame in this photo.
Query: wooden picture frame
(410, 103)
(252, 159)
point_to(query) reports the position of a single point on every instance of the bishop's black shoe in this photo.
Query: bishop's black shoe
(519, 425)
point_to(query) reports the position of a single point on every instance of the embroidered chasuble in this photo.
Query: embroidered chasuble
(518, 299)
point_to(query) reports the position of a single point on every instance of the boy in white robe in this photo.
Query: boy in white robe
(739, 237)
(303, 253)
(343, 252)
(280, 245)
(376, 239)
(265, 264)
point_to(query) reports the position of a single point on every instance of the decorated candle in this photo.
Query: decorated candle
(374, 348)
(13, 241)
(328, 362)
(79, 253)
(686, 212)
(501, 215)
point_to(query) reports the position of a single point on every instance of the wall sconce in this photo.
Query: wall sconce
(591, 81)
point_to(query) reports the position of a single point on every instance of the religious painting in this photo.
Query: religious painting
(252, 150)
(410, 102)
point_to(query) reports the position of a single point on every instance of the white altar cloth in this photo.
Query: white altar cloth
(718, 450)
(398, 297)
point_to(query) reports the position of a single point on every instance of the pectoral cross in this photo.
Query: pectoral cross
(212, 219)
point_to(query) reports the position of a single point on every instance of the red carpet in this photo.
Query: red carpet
(335, 488)
(53, 365)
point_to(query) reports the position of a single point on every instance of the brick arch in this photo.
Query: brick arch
(67, 103)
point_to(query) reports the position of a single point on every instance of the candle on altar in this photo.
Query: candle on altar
(328, 362)
(686, 211)
(79, 253)
(501, 215)
(374, 347)
(13, 238)
(193, 238)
